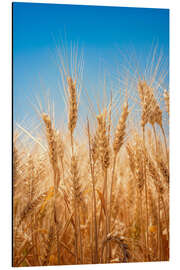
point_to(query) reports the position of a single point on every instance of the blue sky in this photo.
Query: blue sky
(100, 32)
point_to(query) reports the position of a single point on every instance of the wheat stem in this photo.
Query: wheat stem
(94, 196)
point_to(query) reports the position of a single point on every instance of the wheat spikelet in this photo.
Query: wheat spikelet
(166, 100)
(15, 163)
(50, 134)
(151, 112)
(31, 206)
(102, 141)
(131, 157)
(163, 168)
(60, 145)
(153, 172)
(73, 112)
(76, 179)
(32, 178)
(144, 103)
(155, 114)
(139, 163)
(60, 149)
(51, 139)
(120, 129)
(94, 148)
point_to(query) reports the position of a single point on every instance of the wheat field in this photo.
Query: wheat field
(102, 197)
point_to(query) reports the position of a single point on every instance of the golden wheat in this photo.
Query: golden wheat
(102, 198)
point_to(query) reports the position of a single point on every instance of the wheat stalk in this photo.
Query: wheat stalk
(93, 155)
(53, 155)
(117, 144)
(104, 156)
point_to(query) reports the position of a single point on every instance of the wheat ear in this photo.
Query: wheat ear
(72, 108)
(166, 100)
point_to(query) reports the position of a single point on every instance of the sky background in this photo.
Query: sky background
(102, 33)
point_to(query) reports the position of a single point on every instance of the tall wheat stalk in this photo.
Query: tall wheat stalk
(94, 193)
(104, 155)
(72, 121)
(50, 134)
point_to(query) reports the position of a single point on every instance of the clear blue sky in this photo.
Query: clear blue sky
(99, 31)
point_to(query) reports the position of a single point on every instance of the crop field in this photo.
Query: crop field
(95, 189)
